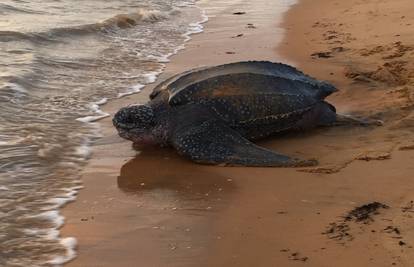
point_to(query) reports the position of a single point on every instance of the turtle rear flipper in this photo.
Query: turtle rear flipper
(212, 142)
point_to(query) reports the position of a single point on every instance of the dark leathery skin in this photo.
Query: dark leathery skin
(210, 115)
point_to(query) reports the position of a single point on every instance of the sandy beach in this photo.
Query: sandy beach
(354, 209)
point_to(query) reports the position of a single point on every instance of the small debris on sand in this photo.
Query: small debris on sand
(328, 54)
(374, 156)
(238, 35)
(364, 213)
(409, 207)
(297, 257)
(406, 147)
(322, 54)
(324, 170)
(239, 13)
(338, 49)
(391, 229)
(394, 73)
(391, 51)
(251, 26)
(230, 52)
(340, 230)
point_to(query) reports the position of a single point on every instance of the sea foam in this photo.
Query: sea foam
(133, 90)
(95, 108)
(70, 244)
(53, 216)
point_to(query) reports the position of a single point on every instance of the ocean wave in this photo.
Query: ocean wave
(37, 38)
(7, 36)
(132, 19)
(117, 22)
(120, 21)
(4, 8)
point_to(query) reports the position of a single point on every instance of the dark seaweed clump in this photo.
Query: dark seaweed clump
(340, 230)
(364, 213)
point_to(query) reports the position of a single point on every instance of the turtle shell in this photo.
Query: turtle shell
(241, 79)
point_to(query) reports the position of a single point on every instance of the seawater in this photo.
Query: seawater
(59, 61)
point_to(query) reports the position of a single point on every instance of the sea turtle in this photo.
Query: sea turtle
(212, 114)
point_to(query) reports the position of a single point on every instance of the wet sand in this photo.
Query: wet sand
(157, 209)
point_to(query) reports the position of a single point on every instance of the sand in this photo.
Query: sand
(157, 209)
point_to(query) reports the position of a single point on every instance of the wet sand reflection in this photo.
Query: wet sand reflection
(161, 170)
(182, 202)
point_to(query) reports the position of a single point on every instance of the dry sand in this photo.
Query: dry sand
(158, 209)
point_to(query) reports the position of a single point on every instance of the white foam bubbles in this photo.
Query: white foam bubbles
(52, 234)
(62, 199)
(95, 108)
(161, 59)
(52, 216)
(58, 202)
(151, 76)
(83, 151)
(87, 119)
(70, 244)
(194, 28)
(133, 90)
(102, 101)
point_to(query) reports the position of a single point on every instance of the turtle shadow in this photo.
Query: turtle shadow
(162, 170)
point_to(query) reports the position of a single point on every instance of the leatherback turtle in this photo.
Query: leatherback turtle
(212, 114)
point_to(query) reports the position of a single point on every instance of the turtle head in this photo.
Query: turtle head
(136, 123)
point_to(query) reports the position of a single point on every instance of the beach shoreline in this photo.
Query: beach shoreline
(109, 177)
(158, 209)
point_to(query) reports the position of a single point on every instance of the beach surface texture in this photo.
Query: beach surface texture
(354, 209)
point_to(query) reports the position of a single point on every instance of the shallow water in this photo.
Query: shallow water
(59, 61)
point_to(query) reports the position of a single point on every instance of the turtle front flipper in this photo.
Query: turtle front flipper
(212, 142)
